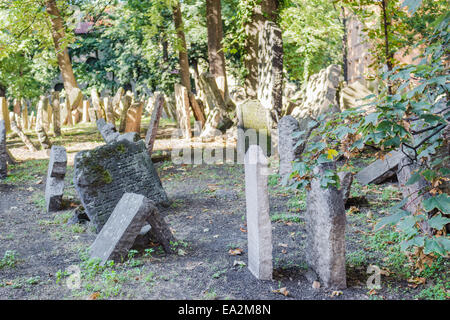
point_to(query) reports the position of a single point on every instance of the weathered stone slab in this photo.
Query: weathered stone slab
(54, 186)
(325, 227)
(270, 69)
(4, 113)
(183, 110)
(124, 225)
(107, 130)
(346, 179)
(287, 127)
(134, 115)
(154, 122)
(259, 229)
(56, 113)
(41, 123)
(3, 151)
(253, 127)
(381, 169)
(104, 174)
(86, 116)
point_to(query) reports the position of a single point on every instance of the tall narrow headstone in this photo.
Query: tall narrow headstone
(259, 228)
(3, 151)
(270, 69)
(85, 117)
(183, 110)
(4, 113)
(123, 226)
(126, 103)
(40, 127)
(288, 126)
(154, 121)
(134, 115)
(325, 227)
(24, 115)
(54, 186)
(56, 113)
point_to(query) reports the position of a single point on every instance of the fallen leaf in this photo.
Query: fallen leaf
(9, 283)
(242, 229)
(94, 296)
(235, 252)
(352, 210)
(336, 293)
(282, 291)
(316, 284)
(284, 245)
(189, 217)
(283, 251)
(239, 263)
(181, 252)
(372, 292)
(417, 280)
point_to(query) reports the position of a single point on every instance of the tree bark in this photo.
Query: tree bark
(216, 55)
(62, 53)
(266, 10)
(389, 55)
(344, 45)
(182, 51)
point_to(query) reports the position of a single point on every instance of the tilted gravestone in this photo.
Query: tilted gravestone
(107, 130)
(380, 169)
(104, 174)
(154, 121)
(325, 228)
(134, 116)
(259, 228)
(4, 113)
(54, 186)
(253, 127)
(122, 228)
(270, 69)
(288, 152)
(3, 151)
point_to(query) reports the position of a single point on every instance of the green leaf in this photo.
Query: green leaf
(392, 219)
(441, 202)
(438, 222)
(413, 179)
(412, 5)
(434, 246)
(418, 241)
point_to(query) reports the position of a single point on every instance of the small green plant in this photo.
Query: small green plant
(9, 259)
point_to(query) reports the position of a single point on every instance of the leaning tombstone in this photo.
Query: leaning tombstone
(259, 228)
(126, 103)
(107, 130)
(123, 226)
(288, 136)
(104, 174)
(3, 151)
(381, 169)
(325, 230)
(253, 128)
(21, 134)
(54, 186)
(154, 121)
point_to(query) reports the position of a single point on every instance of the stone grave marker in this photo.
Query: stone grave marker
(154, 122)
(122, 228)
(4, 113)
(253, 127)
(56, 113)
(380, 169)
(104, 174)
(107, 130)
(259, 228)
(3, 151)
(287, 127)
(54, 185)
(183, 110)
(325, 229)
(134, 115)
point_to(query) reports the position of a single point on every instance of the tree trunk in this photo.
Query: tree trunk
(62, 53)
(266, 10)
(389, 55)
(182, 51)
(344, 45)
(216, 56)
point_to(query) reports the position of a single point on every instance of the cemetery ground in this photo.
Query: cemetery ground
(207, 217)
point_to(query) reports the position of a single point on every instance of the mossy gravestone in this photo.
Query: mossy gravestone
(104, 174)
(253, 127)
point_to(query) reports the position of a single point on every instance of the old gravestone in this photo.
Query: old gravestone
(54, 185)
(259, 228)
(4, 113)
(183, 110)
(253, 127)
(40, 123)
(270, 69)
(288, 126)
(122, 228)
(56, 113)
(325, 227)
(134, 116)
(3, 152)
(107, 130)
(154, 121)
(104, 174)
(380, 169)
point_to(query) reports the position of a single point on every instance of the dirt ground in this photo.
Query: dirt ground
(40, 251)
